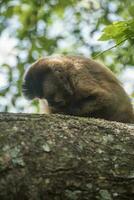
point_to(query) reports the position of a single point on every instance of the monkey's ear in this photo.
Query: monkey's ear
(64, 80)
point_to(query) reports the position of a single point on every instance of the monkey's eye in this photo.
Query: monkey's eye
(55, 102)
(59, 99)
(59, 103)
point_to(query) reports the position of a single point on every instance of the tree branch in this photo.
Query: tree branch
(44, 157)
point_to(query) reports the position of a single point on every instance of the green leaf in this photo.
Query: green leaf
(118, 31)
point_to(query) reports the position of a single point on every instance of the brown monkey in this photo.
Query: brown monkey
(78, 86)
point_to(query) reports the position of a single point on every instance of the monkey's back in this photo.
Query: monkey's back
(90, 77)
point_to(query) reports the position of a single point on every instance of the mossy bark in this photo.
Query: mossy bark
(56, 157)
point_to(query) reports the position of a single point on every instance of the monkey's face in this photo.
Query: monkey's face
(46, 81)
(55, 93)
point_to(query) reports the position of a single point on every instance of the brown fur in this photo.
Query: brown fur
(78, 86)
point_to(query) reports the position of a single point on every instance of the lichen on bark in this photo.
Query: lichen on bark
(57, 157)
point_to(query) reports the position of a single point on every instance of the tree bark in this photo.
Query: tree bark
(56, 157)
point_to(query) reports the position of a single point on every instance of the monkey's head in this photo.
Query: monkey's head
(46, 79)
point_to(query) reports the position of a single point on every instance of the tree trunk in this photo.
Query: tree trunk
(56, 157)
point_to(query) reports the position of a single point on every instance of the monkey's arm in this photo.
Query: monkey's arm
(91, 97)
(93, 106)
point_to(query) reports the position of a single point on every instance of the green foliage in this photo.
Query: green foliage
(119, 31)
(47, 27)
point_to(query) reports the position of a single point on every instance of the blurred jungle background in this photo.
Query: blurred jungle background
(30, 29)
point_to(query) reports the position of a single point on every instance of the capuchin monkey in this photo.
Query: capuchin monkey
(74, 85)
